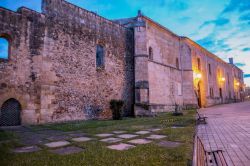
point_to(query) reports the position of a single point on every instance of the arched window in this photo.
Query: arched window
(100, 56)
(4, 47)
(150, 53)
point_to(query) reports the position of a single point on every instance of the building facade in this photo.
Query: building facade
(67, 63)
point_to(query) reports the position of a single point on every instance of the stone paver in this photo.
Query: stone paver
(104, 135)
(77, 135)
(119, 132)
(155, 136)
(121, 147)
(142, 132)
(169, 144)
(27, 149)
(139, 141)
(176, 127)
(155, 129)
(127, 136)
(228, 129)
(81, 139)
(111, 140)
(57, 144)
(58, 137)
(67, 150)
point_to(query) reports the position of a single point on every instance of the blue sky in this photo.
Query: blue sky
(221, 26)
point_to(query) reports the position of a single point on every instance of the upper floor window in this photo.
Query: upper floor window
(177, 63)
(199, 63)
(209, 69)
(4, 47)
(100, 56)
(150, 53)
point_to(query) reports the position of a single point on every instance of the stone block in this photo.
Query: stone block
(121, 147)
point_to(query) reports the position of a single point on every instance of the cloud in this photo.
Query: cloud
(246, 49)
(240, 64)
(184, 19)
(217, 22)
(180, 5)
(246, 75)
(207, 42)
(237, 5)
(245, 17)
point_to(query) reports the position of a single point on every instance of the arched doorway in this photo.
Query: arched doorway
(10, 113)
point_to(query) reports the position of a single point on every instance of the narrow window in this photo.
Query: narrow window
(4, 48)
(211, 92)
(177, 63)
(220, 92)
(209, 69)
(150, 53)
(99, 56)
(199, 63)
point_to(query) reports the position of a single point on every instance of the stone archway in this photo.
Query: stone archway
(10, 113)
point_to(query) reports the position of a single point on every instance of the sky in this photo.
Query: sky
(220, 26)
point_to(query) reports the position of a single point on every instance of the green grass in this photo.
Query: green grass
(96, 153)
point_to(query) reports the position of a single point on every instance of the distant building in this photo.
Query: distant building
(67, 63)
(247, 93)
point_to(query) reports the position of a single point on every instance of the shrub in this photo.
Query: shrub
(116, 107)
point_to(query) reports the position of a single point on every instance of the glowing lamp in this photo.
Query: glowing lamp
(238, 84)
(198, 76)
(223, 79)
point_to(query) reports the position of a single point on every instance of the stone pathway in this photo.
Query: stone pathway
(67, 150)
(65, 143)
(228, 129)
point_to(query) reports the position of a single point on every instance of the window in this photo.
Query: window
(150, 53)
(211, 92)
(199, 63)
(220, 92)
(209, 69)
(177, 63)
(179, 89)
(4, 47)
(99, 56)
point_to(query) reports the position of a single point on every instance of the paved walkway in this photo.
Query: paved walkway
(64, 143)
(228, 129)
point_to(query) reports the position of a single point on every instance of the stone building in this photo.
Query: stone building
(67, 63)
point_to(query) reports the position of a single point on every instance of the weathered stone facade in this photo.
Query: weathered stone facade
(52, 68)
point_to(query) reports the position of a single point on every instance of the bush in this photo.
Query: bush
(116, 107)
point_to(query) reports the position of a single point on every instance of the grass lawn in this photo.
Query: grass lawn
(96, 152)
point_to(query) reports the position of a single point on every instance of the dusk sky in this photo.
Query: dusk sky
(221, 26)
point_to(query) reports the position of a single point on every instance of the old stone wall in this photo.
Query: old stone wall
(220, 82)
(52, 66)
(78, 89)
(165, 80)
(24, 30)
